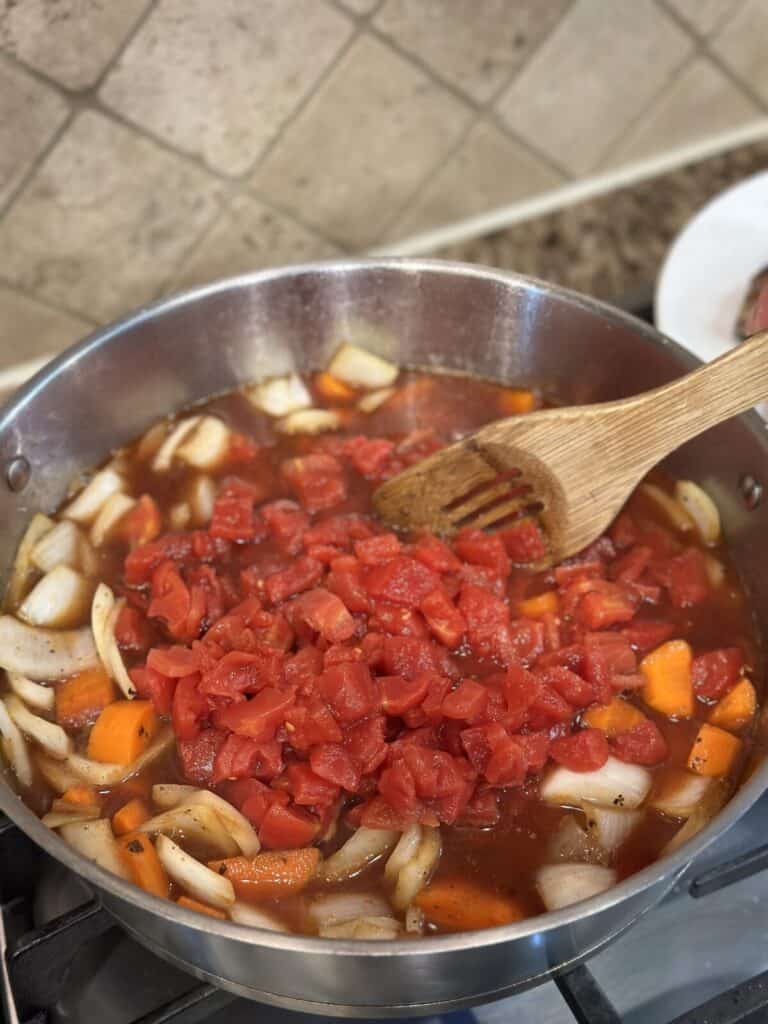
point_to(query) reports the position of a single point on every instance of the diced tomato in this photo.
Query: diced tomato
(467, 702)
(302, 668)
(349, 691)
(256, 803)
(241, 757)
(141, 523)
(715, 672)
(333, 762)
(401, 580)
(631, 566)
(366, 743)
(485, 616)
(257, 718)
(317, 479)
(408, 656)
(577, 691)
(548, 708)
(524, 542)
(189, 708)
(624, 532)
(238, 673)
(522, 638)
(584, 751)
(287, 828)
(326, 614)
(443, 618)
(397, 620)
(300, 575)
(606, 604)
(506, 765)
(340, 531)
(287, 525)
(480, 548)
(685, 577)
(233, 516)
(348, 585)
(609, 663)
(397, 786)
(535, 747)
(646, 634)
(311, 722)
(521, 688)
(378, 549)
(171, 600)
(482, 811)
(132, 631)
(197, 755)
(644, 743)
(435, 554)
(151, 685)
(308, 788)
(369, 455)
(174, 661)
(242, 448)
(399, 695)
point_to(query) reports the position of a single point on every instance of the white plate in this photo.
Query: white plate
(707, 272)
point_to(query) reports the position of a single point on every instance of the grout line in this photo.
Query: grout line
(138, 26)
(588, 188)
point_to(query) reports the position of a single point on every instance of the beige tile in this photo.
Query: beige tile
(591, 77)
(104, 221)
(249, 236)
(29, 329)
(700, 102)
(361, 146)
(487, 171)
(218, 79)
(741, 44)
(71, 41)
(360, 7)
(30, 114)
(704, 16)
(474, 44)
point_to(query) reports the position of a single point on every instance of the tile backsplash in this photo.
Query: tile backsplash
(149, 145)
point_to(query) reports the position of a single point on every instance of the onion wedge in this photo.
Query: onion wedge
(309, 421)
(56, 818)
(207, 446)
(560, 885)
(616, 784)
(414, 920)
(362, 928)
(58, 601)
(201, 497)
(197, 822)
(236, 824)
(56, 773)
(702, 510)
(406, 848)
(45, 654)
(87, 504)
(676, 514)
(51, 737)
(110, 514)
(23, 565)
(252, 917)
(104, 612)
(680, 793)
(360, 368)
(94, 840)
(166, 453)
(365, 845)
(610, 826)
(418, 870)
(197, 879)
(15, 747)
(34, 695)
(280, 396)
(335, 907)
(166, 795)
(64, 545)
(374, 399)
(179, 516)
(98, 773)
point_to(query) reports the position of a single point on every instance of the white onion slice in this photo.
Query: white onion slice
(110, 514)
(166, 795)
(406, 848)
(616, 784)
(45, 653)
(207, 446)
(65, 545)
(380, 928)
(99, 773)
(361, 368)
(57, 601)
(715, 570)
(309, 421)
(23, 564)
(104, 612)
(571, 842)
(560, 885)
(672, 509)
(170, 795)
(375, 399)
(418, 870)
(15, 747)
(680, 793)
(51, 737)
(197, 879)
(87, 504)
(34, 695)
(56, 773)
(201, 498)
(179, 516)
(414, 920)
(335, 907)
(150, 441)
(363, 846)
(94, 840)
(250, 916)
(702, 510)
(197, 822)
(166, 453)
(56, 818)
(280, 396)
(610, 826)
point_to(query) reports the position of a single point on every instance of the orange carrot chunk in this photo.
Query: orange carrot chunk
(456, 905)
(123, 731)
(714, 751)
(535, 607)
(514, 401)
(130, 817)
(332, 389)
(201, 908)
(142, 523)
(81, 796)
(668, 684)
(737, 708)
(140, 857)
(615, 718)
(81, 698)
(269, 875)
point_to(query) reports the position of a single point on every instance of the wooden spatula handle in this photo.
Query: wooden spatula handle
(674, 413)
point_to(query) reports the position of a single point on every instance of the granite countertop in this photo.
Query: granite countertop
(613, 246)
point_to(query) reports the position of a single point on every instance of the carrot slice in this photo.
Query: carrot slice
(514, 401)
(534, 607)
(201, 908)
(737, 708)
(130, 817)
(80, 698)
(333, 389)
(456, 905)
(269, 875)
(714, 751)
(81, 796)
(142, 523)
(615, 718)
(668, 684)
(140, 857)
(123, 731)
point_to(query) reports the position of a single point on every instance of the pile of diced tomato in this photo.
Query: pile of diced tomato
(312, 662)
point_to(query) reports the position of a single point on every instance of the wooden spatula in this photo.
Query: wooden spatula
(571, 468)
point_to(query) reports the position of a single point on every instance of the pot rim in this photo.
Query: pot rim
(664, 869)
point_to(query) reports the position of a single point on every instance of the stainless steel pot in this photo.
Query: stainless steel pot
(106, 390)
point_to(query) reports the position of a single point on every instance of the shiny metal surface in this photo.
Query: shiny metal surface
(106, 390)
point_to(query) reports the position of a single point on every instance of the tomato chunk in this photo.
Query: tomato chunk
(714, 673)
(584, 751)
